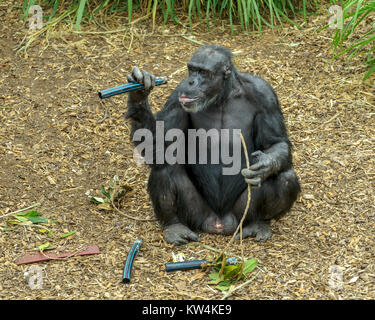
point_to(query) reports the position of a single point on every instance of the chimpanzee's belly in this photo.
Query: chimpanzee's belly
(220, 191)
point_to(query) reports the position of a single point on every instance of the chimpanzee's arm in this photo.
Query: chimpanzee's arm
(138, 107)
(141, 116)
(271, 141)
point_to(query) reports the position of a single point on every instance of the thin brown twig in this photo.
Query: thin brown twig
(62, 258)
(239, 227)
(192, 40)
(214, 249)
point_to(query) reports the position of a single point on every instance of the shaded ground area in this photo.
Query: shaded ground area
(58, 141)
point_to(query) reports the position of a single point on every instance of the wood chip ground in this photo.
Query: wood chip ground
(59, 142)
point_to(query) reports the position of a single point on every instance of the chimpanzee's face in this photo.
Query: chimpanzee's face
(205, 81)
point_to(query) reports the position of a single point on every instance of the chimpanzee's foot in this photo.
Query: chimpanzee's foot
(179, 234)
(261, 230)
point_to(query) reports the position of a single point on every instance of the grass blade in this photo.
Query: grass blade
(130, 9)
(80, 11)
(154, 7)
(369, 72)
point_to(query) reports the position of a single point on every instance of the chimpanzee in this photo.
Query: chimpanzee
(199, 197)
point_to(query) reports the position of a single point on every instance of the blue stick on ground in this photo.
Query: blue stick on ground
(130, 259)
(192, 264)
(127, 87)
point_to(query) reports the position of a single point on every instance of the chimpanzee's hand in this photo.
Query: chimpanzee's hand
(179, 234)
(261, 170)
(144, 77)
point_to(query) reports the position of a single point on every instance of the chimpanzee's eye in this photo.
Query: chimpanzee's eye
(205, 73)
(192, 70)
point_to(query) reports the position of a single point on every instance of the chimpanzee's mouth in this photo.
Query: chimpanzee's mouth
(186, 100)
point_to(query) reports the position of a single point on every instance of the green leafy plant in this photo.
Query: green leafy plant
(224, 275)
(29, 218)
(32, 218)
(112, 194)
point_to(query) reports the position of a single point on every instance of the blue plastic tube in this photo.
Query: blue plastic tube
(192, 264)
(130, 259)
(131, 86)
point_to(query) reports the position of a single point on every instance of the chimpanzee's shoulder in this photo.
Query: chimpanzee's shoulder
(259, 89)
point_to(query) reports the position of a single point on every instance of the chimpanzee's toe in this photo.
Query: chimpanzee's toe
(179, 234)
(261, 230)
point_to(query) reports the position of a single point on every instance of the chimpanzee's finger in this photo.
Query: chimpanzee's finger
(257, 153)
(179, 241)
(256, 166)
(130, 78)
(192, 236)
(153, 79)
(246, 232)
(247, 173)
(147, 80)
(137, 74)
(256, 182)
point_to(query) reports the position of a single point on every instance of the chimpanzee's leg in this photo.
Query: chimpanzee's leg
(272, 200)
(177, 204)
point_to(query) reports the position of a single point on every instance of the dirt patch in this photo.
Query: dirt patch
(52, 127)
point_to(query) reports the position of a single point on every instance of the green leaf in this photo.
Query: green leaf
(106, 193)
(46, 246)
(37, 219)
(65, 235)
(97, 200)
(230, 272)
(32, 213)
(22, 219)
(214, 275)
(215, 278)
(249, 265)
(43, 246)
(13, 221)
(224, 285)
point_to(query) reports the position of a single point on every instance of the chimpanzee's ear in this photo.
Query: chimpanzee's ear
(227, 72)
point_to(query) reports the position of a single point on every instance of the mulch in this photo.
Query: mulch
(59, 144)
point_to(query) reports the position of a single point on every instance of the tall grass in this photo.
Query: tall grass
(250, 14)
(356, 12)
